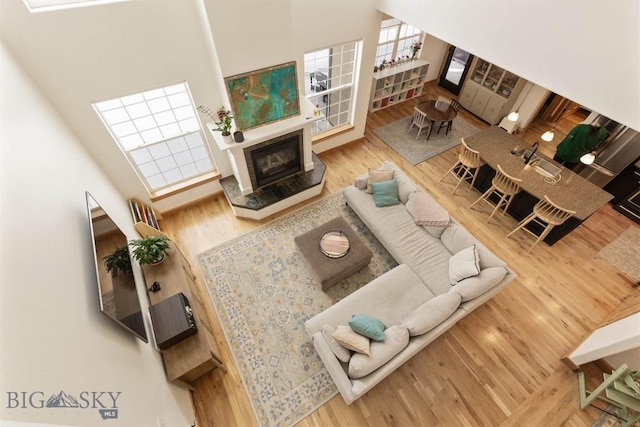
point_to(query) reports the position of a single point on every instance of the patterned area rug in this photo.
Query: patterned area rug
(418, 150)
(263, 294)
(624, 253)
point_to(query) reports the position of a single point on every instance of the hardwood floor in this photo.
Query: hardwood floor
(499, 366)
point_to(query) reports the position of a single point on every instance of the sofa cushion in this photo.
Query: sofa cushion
(376, 175)
(342, 353)
(385, 193)
(464, 264)
(455, 238)
(431, 313)
(368, 326)
(396, 338)
(473, 287)
(405, 185)
(347, 338)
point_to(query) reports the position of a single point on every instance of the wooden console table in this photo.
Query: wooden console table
(198, 354)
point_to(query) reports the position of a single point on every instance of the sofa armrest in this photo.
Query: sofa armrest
(335, 369)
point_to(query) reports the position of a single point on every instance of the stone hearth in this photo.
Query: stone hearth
(265, 201)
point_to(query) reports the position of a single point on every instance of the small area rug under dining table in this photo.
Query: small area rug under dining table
(414, 150)
(263, 294)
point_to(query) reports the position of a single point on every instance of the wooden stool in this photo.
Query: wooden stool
(549, 213)
(504, 186)
(468, 159)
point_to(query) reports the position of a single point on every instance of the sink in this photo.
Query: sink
(546, 168)
(542, 166)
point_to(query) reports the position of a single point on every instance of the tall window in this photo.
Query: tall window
(160, 134)
(329, 76)
(396, 38)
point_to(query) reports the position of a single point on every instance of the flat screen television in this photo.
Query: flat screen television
(116, 285)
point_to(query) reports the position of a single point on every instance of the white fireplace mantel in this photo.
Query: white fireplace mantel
(235, 150)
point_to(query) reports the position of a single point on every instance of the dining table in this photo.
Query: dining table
(568, 190)
(437, 111)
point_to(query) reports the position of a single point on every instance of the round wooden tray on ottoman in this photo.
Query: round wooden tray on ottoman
(333, 251)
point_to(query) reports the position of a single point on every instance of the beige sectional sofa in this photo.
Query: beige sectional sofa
(422, 297)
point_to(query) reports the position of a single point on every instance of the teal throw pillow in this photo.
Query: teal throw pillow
(367, 326)
(385, 193)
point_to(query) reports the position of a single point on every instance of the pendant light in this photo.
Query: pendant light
(588, 158)
(548, 135)
(515, 115)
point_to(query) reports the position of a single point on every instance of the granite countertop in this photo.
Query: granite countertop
(572, 192)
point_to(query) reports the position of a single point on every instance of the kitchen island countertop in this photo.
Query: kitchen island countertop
(572, 192)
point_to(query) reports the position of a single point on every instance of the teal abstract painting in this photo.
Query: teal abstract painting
(264, 96)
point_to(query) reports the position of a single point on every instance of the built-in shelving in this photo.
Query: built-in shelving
(397, 84)
(145, 219)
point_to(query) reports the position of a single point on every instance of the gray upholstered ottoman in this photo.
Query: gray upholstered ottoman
(329, 270)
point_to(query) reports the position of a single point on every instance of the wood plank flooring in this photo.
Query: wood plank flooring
(499, 366)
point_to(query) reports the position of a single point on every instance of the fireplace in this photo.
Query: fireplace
(275, 159)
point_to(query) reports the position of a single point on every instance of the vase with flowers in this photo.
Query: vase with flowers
(222, 120)
(415, 48)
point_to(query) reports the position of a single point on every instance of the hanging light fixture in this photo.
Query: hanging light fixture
(515, 115)
(548, 135)
(588, 158)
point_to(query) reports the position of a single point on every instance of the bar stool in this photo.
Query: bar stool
(549, 213)
(504, 186)
(468, 159)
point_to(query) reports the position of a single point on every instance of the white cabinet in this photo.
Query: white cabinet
(490, 91)
(397, 84)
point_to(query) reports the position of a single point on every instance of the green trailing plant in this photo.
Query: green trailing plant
(119, 261)
(150, 249)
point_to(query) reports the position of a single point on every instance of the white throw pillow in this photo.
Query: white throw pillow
(351, 340)
(341, 353)
(464, 264)
(430, 314)
(473, 287)
(396, 338)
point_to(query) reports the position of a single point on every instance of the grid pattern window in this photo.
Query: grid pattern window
(160, 133)
(396, 38)
(329, 84)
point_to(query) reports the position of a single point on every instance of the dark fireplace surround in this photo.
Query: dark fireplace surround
(275, 159)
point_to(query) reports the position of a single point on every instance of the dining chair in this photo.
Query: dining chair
(547, 214)
(424, 97)
(420, 121)
(449, 103)
(468, 159)
(505, 186)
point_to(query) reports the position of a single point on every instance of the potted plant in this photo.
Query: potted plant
(150, 249)
(222, 119)
(119, 261)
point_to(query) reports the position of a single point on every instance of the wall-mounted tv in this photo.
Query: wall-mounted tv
(116, 285)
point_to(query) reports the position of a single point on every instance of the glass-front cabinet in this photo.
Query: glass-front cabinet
(490, 91)
(494, 78)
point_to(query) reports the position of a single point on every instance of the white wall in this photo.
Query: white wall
(585, 50)
(52, 335)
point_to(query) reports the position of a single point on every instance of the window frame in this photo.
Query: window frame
(184, 138)
(331, 93)
(397, 40)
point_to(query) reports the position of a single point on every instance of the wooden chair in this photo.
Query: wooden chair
(547, 214)
(505, 186)
(421, 121)
(424, 97)
(468, 159)
(456, 107)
